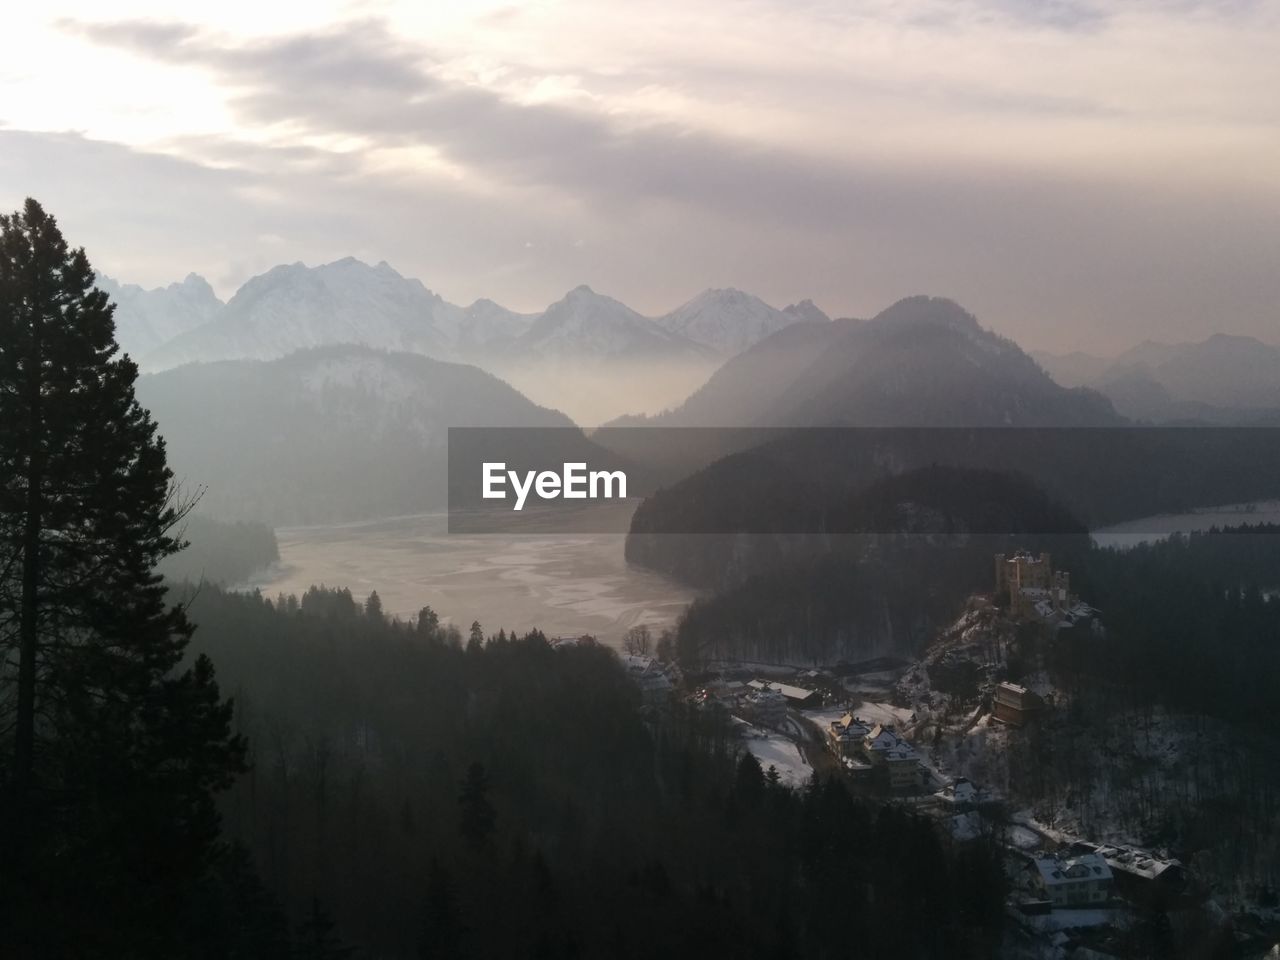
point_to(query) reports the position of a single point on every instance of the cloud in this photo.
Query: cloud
(1041, 162)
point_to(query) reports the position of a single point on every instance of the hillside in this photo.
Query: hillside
(333, 433)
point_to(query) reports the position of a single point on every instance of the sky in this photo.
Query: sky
(1080, 175)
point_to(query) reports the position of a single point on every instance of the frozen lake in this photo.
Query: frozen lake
(1158, 527)
(564, 584)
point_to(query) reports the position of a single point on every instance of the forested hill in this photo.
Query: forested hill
(329, 434)
(814, 482)
(403, 785)
(822, 597)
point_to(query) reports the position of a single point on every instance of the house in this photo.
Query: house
(960, 792)
(1014, 704)
(653, 677)
(1139, 875)
(845, 735)
(795, 696)
(1079, 881)
(885, 749)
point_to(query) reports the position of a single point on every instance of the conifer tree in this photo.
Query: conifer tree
(111, 751)
(476, 813)
(316, 939)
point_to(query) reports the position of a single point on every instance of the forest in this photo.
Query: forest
(504, 796)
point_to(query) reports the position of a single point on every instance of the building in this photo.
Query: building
(1014, 705)
(960, 792)
(795, 696)
(1032, 588)
(884, 749)
(1139, 875)
(765, 706)
(1079, 881)
(654, 678)
(845, 735)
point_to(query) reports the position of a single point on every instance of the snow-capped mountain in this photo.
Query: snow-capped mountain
(586, 324)
(484, 328)
(292, 307)
(147, 318)
(729, 321)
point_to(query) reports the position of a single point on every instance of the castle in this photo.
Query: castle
(1034, 590)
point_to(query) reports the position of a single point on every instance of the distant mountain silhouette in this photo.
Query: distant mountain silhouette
(1222, 379)
(924, 361)
(332, 433)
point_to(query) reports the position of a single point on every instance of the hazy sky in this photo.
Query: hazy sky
(1078, 174)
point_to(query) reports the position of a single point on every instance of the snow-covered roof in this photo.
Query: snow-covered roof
(959, 790)
(884, 741)
(786, 689)
(1087, 866)
(1135, 861)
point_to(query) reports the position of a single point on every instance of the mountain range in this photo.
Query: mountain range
(587, 354)
(147, 319)
(1223, 378)
(293, 306)
(924, 361)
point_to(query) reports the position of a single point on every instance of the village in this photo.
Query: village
(937, 734)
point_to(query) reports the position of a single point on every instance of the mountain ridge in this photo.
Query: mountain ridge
(294, 306)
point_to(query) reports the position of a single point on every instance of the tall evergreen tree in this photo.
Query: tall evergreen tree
(112, 751)
(316, 939)
(476, 813)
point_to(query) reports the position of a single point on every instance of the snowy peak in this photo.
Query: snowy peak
(147, 318)
(486, 327)
(293, 307)
(728, 321)
(586, 324)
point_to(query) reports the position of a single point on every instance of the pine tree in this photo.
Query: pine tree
(442, 930)
(106, 806)
(476, 814)
(315, 939)
(749, 783)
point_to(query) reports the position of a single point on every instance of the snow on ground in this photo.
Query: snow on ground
(822, 719)
(1074, 919)
(1024, 838)
(886, 713)
(773, 749)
